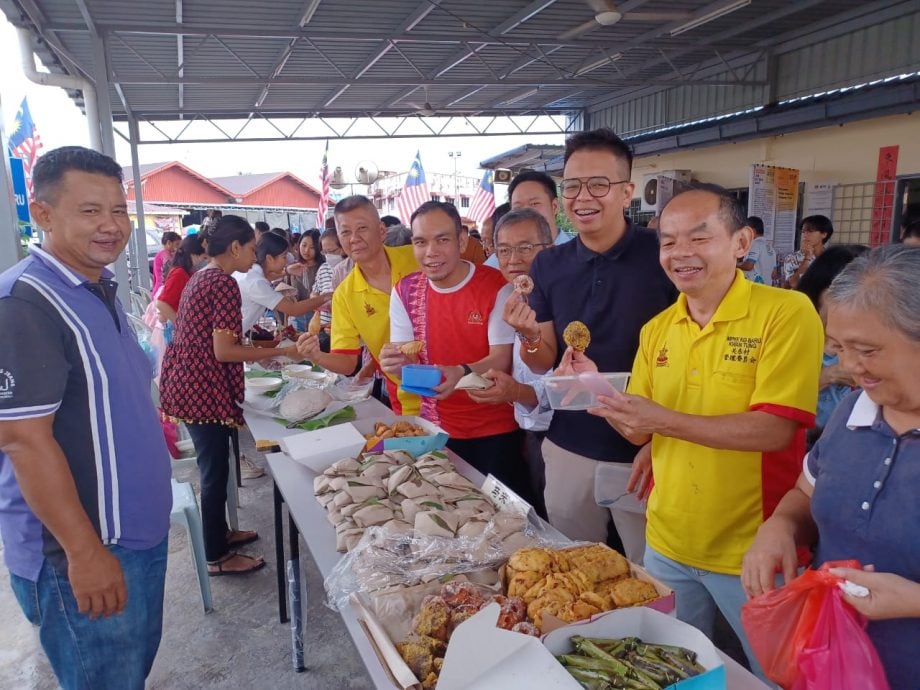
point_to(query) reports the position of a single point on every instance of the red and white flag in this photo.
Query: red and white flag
(324, 194)
(415, 192)
(483, 205)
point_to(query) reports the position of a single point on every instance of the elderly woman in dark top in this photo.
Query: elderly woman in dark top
(857, 495)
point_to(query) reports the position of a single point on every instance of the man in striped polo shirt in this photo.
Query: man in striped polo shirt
(84, 470)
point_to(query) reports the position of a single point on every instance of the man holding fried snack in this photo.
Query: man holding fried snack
(724, 386)
(609, 279)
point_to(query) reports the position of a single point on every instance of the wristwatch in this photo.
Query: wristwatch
(467, 369)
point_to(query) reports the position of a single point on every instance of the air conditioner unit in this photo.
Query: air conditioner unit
(658, 188)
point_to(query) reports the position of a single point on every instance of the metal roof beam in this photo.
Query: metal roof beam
(416, 83)
(526, 13)
(322, 33)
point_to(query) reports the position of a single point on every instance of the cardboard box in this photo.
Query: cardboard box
(415, 445)
(653, 627)
(319, 449)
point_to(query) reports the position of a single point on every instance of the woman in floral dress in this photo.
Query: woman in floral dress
(202, 382)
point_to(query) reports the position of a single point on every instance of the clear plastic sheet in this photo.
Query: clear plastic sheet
(385, 559)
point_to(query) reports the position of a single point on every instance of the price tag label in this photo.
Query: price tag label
(503, 497)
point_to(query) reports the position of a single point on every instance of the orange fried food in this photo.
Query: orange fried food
(522, 581)
(577, 336)
(461, 593)
(523, 284)
(412, 348)
(433, 618)
(633, 592)
(598, 562)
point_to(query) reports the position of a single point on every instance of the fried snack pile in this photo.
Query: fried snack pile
(397, 430)
(412, 348)
(438, 617)
(577, 336)
(523, 284)
(575, 583)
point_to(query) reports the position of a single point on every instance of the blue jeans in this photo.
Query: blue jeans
(115, 652)
(698, 594)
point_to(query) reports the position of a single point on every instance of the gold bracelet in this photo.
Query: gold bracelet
(530, 347)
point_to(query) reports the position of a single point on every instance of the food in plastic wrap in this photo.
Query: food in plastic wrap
(372, 513)
(303, 403)
(436, 523)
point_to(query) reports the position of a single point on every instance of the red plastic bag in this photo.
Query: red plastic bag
(171, 433)
(780, 623)
(840, 655)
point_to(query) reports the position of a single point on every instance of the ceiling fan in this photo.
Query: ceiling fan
(424, 109)
(607, 14)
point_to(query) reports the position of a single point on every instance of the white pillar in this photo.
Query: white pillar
(107, 136)
(139, 243)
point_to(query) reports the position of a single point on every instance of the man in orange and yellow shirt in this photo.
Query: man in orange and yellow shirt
(724, 384)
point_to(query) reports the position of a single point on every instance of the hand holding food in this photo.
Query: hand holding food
(308, 346)
(577, 336)
(518, 314)
(412, 348)
(392, 359)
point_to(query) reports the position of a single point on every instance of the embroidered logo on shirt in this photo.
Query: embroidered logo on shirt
(475, 318)
(7, 384)
(369, 310)
(662, 359)
(741, 349)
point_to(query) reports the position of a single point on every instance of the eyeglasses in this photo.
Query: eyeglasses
(597, 186)
(525, 251)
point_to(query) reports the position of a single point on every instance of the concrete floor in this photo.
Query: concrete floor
(239, 645)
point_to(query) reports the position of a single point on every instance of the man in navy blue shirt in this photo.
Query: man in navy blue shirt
(610, 279)
(84, 471)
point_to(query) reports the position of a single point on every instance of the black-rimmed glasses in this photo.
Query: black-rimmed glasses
(597, 186)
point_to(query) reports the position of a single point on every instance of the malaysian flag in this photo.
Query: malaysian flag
(324, 195)
(415, 193)
(484, 200)
(25, 142)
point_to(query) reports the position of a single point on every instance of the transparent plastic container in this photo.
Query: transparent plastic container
(580, 392)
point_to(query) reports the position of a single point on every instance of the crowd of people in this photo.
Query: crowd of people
(772, 417)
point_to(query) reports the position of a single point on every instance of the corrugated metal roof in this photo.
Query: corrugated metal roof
(463, 57)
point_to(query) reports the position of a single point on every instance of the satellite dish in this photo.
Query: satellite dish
(366, 172)
(338, 179)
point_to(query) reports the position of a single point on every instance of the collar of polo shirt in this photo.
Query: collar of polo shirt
(585, 254)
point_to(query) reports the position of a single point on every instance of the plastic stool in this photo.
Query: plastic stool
(185, 512)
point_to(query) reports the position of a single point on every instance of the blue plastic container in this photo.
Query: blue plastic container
(421, 376)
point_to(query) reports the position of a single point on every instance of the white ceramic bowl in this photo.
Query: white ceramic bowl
(264, 384)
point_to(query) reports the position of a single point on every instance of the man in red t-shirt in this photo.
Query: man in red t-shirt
(455, 309)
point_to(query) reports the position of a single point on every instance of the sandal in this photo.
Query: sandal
(218, 568)
(237, 537)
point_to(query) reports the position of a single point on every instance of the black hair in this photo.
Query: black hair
(281, 232)
(534, 176)
(229, 229)
(169, 236)
(820, 224)
(731, 211)
(603, 139)
(330, 234)
(314, 237)
(270, 244)
(911, 229)
(498, 213)
(819, 276)
(353, 203)
(51, 168)
(442, 206)
(756, 222)
(190, 246)
(398, 236)
(261, 226)
(390, 221)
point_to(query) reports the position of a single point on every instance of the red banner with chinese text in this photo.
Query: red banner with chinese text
(883, 203)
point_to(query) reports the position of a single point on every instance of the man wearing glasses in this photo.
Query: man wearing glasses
(610, 279)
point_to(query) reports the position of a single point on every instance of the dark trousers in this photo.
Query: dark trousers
(212, 444)
(536, 469)
(499, 455)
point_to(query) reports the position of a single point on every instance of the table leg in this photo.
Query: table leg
(293, 569)
(279, 554)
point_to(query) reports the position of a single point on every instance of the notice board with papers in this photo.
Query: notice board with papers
(774, 197)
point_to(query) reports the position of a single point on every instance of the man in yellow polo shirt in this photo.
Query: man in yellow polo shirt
(724, 384)
(361, 303)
